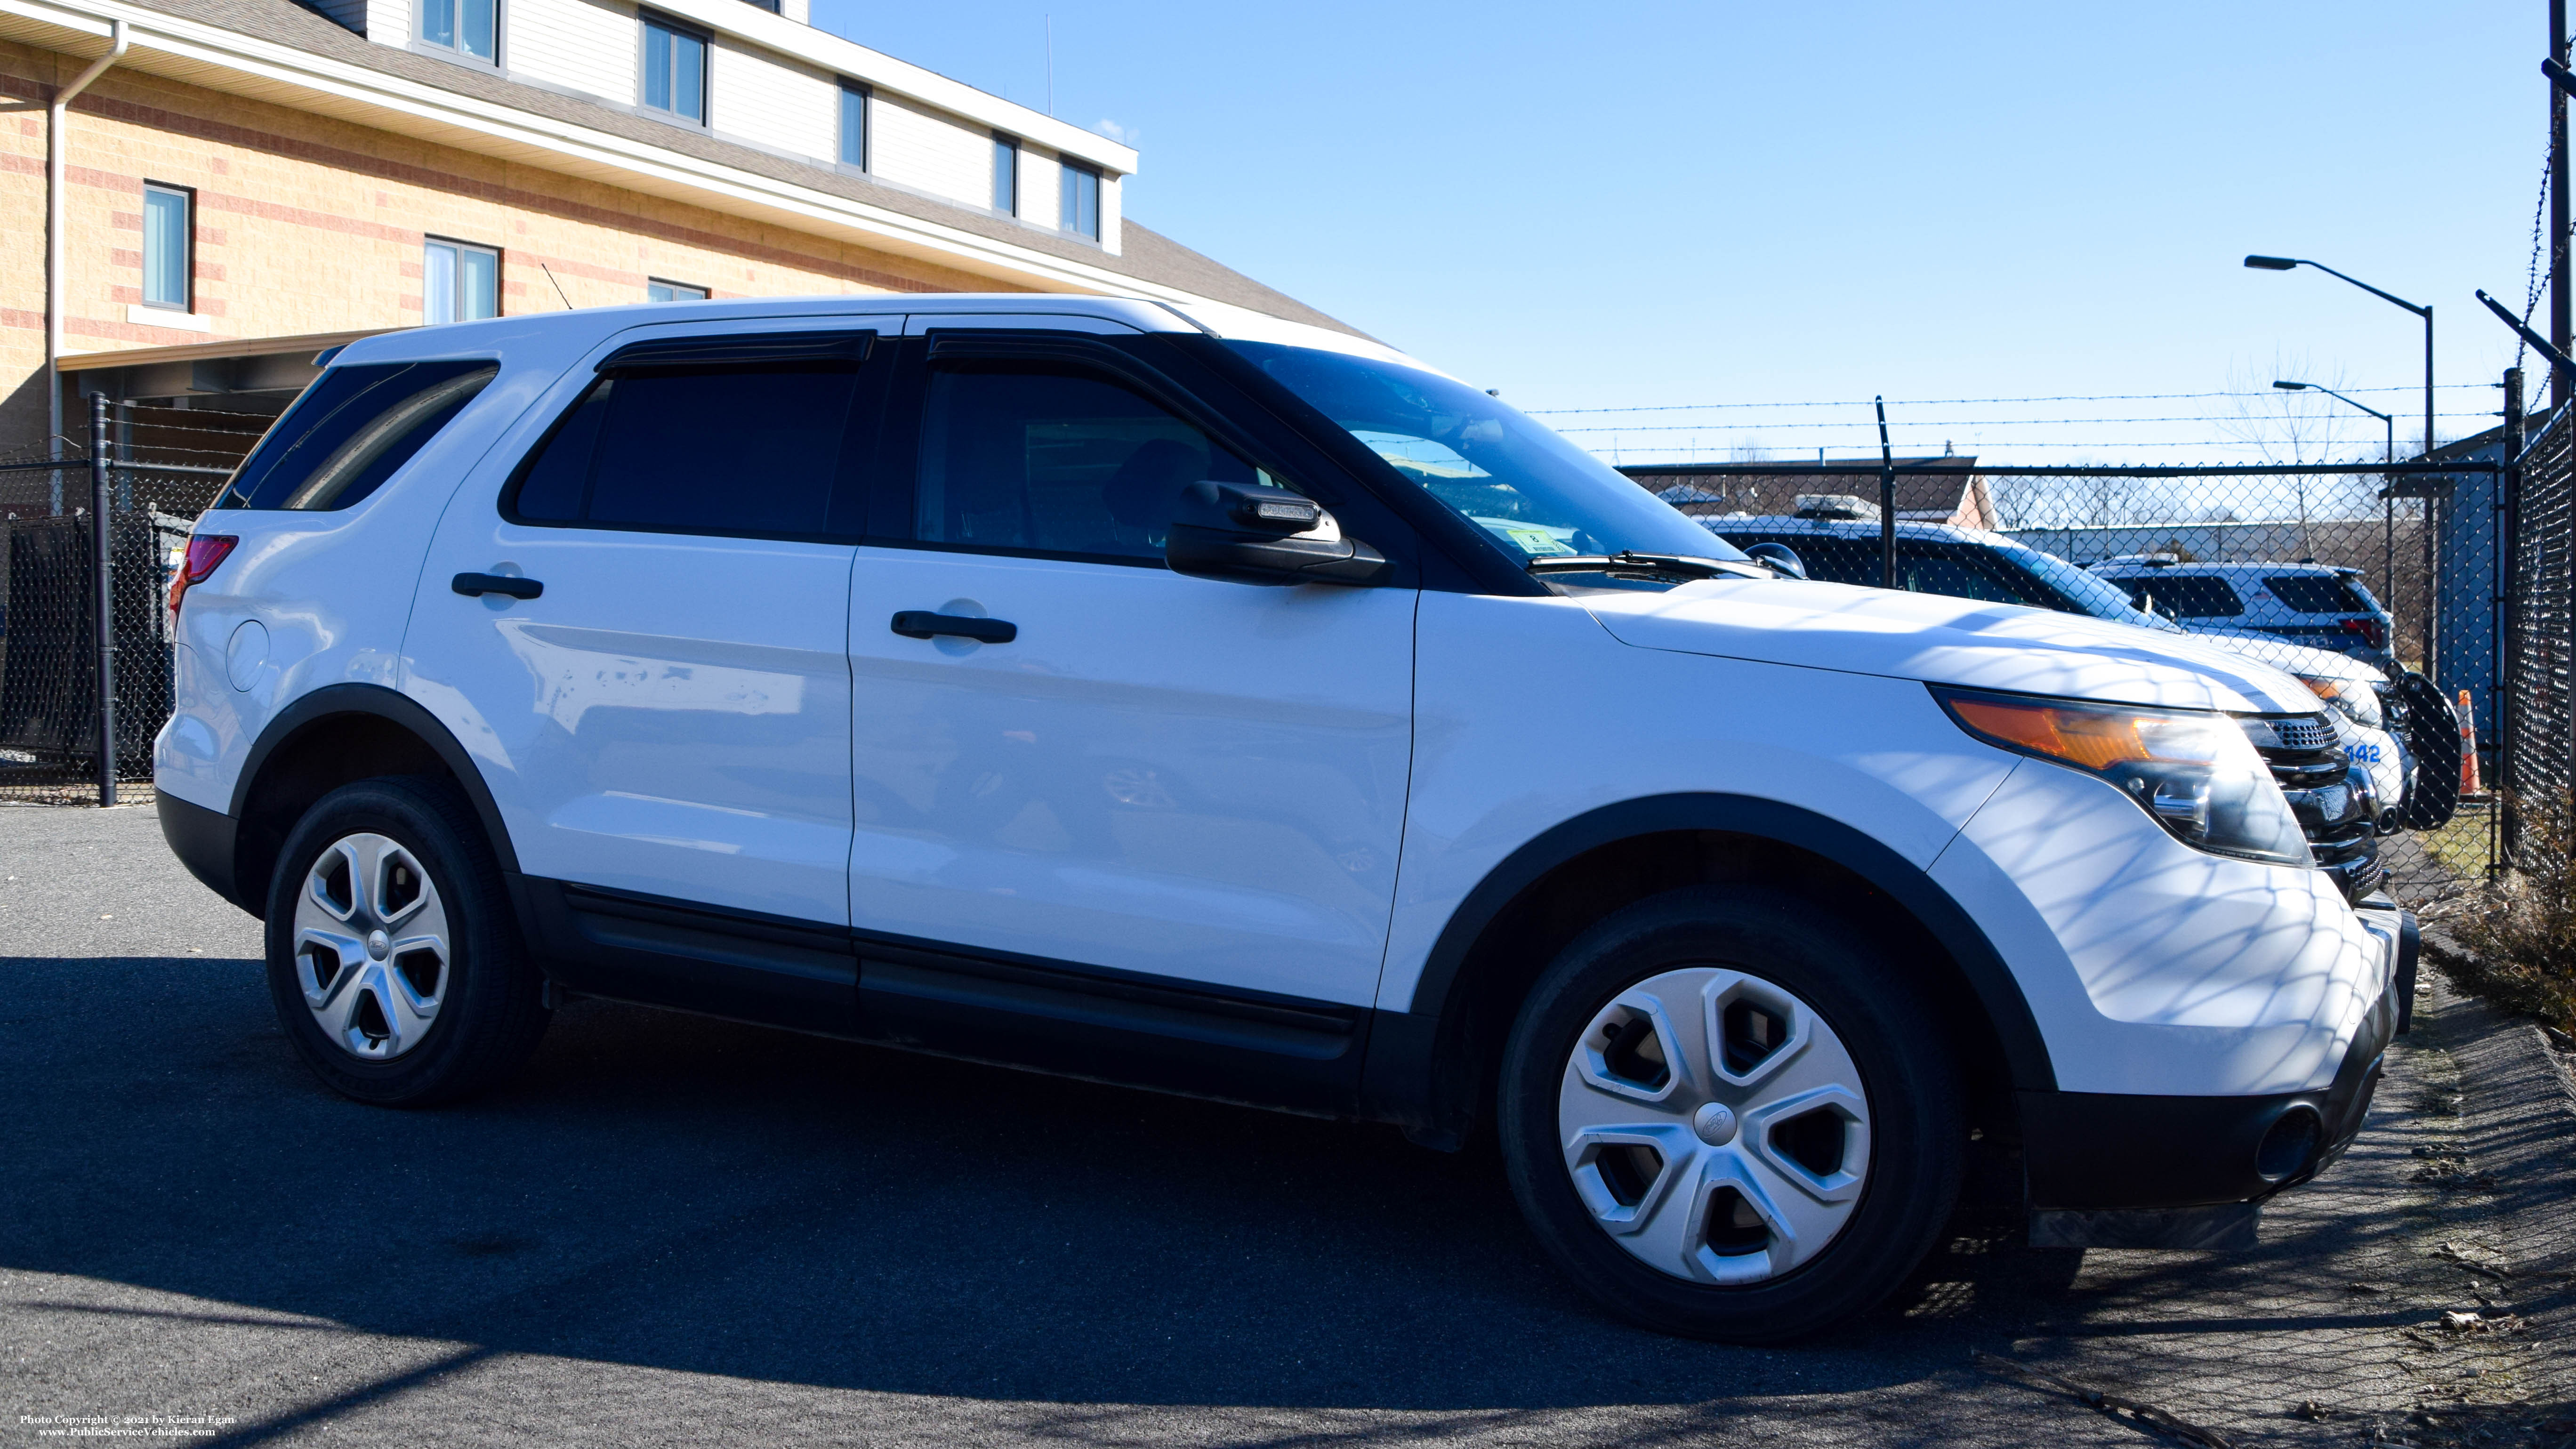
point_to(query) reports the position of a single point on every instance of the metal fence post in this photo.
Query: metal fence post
(102, 595)
(2504, 838)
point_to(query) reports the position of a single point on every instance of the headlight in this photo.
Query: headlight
(2354, 699)
(2193, 771)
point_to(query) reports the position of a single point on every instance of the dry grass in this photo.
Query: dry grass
(2521, 929)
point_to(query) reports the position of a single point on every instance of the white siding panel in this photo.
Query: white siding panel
(932, 151)
(388, 21)
(800, 11)
(1041, 187)
(763, 97)
(579, 45)
(1109, 190)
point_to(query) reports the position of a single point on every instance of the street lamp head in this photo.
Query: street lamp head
(2271, 264)
(2291, 386)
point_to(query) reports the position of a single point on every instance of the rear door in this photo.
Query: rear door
(654, 674)
(1150, 829)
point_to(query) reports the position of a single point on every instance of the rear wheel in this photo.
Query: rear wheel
(1728, 1119)
(392, 955)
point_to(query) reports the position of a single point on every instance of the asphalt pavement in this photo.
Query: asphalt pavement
(673, 1230)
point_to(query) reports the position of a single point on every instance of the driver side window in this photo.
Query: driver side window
(1056, 462)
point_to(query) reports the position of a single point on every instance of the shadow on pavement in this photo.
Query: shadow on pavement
(674, 1192)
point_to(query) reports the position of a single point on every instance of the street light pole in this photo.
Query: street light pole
(2432, 593)
(2388, 500)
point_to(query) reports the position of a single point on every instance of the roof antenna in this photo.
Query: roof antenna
(559, 291)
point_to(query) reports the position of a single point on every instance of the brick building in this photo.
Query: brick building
(245, 181)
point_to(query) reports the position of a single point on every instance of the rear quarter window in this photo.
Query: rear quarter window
(351, 430)
(2315, 594)
(2188, 596)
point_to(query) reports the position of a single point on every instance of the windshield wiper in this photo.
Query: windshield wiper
(1631, 561)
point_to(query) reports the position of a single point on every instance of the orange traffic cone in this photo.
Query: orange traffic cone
(2468, 749)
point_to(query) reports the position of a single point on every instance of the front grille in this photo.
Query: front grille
(2330, 798)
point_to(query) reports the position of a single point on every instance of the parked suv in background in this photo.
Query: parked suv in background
(2393, 721)
(1238, 708)
(2322, 606)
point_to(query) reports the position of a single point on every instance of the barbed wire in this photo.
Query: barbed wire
(1958, 401)
(1937, 423)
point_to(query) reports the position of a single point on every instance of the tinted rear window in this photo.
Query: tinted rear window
(351, 430)
(2317, 594)
(727, 449)
(1961, 572)
(2188, 596)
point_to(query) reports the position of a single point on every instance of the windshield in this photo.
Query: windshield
(1534, 492)
(2089, 593)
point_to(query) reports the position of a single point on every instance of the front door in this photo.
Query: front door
(1160, 782)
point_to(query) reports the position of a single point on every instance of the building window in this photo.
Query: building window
(1006, 176)
(675, 70)
(169, 246)
(459, 282)
(1078, 209)
(769, 5)
(468, 27)
(655, 289)
(854, 125)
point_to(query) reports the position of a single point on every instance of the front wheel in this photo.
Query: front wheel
(1726, 1118)
(392, 953)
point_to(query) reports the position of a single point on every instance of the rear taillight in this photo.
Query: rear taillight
(205, 551)
(2369, 630)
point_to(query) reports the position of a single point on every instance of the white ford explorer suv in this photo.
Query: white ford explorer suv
(1079, 685)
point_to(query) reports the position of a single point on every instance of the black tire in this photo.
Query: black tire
(492, 1011)
(1917, 1130)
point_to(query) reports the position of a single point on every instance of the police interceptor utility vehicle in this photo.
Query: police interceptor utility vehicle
(1232, 707)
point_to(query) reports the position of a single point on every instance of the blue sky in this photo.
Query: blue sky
(1664, 205)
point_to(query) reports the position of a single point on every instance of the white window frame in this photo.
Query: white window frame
(700, 293)
(429, 250)
(187, 195)
(648, 21)
(456, 52)
(1075, 176)
(860, 97)
(1006, 195)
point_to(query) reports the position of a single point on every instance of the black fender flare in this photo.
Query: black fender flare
(395, 707)
(1403, 1074)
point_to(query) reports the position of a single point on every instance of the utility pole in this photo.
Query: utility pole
(2562, 307)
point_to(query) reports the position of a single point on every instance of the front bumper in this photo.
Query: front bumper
(2094, 1151)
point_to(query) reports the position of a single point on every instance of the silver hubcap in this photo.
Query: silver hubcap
(1715, 1126)
(371, 946)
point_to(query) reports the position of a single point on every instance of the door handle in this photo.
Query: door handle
(474, 586)
(923, 624)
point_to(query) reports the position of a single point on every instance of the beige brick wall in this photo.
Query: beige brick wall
(307, 224)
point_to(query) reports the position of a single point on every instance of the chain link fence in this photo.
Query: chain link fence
(164, 466)
(2540, 612)
(2380, 584)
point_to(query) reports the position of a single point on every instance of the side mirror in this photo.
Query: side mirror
(1781, 559)
(1248, 535)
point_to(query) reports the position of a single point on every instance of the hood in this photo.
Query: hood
(1944, 640)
